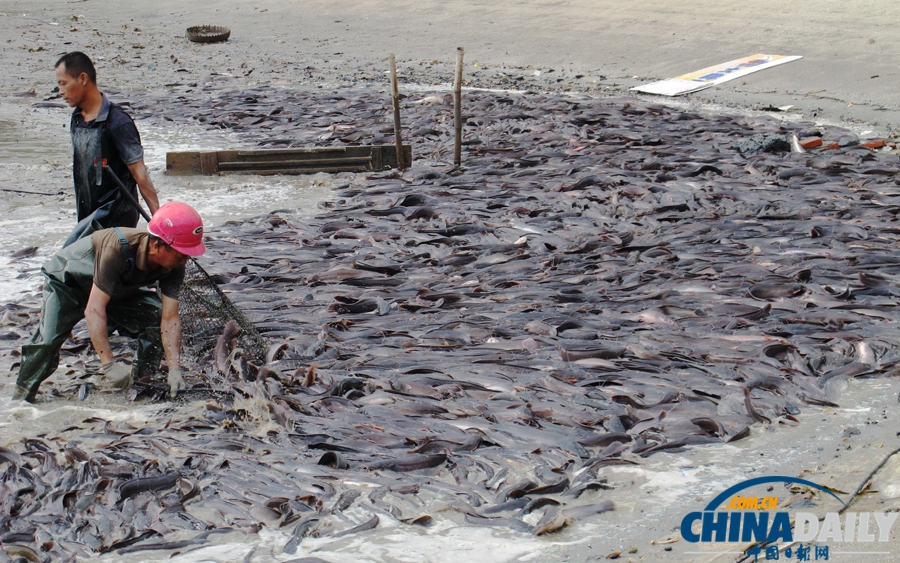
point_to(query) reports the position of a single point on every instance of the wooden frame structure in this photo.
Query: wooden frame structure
(287, 161)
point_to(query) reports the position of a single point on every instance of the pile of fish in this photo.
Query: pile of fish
(600, 281)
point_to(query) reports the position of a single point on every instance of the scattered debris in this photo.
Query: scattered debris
(208, 33)
(763, 142)
(811, 142)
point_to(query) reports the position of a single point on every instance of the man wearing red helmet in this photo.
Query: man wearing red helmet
(108, 275)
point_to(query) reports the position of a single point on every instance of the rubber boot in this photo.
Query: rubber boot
(22, 394)
(67, 282)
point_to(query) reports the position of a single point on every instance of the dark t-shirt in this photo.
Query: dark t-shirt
(111, 136)
(110, 265)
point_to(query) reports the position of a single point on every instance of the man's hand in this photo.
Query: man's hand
(145, 185)
(95, 317)
(176, 382)
(170, 327)
(116, 375)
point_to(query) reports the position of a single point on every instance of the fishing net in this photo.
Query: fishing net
(205, 310)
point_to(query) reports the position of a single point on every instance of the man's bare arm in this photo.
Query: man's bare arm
(95, 318)
(142, 176)
(170, 327)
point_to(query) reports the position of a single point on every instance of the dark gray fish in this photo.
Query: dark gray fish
(603, 440)
(410, 463)
(345, 500)
(369, 524)
(157, 546)
(136, 486)
(508, 506)
(25, 252)
(709, 425)
(511, 523)
(21, 552)
(765, 291)
(225, 346)
(425, 521)
(537, 504)
(574, 354)
(9, 456)
(852, 369)
(301, 530)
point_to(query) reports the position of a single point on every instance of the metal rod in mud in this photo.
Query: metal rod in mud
(125, 191)
(395, 95)
(457, 103)
(27, 192)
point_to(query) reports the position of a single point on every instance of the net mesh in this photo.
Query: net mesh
(205, 310)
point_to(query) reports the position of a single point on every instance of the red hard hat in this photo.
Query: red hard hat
(179, 225)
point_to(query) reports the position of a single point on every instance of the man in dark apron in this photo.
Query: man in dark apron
(101, 133)
(108, 275)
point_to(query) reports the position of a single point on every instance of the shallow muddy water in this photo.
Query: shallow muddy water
(35, 156)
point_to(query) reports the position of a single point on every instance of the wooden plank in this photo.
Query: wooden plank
(294, 154)
(385, 156)
(299, 150)
(377, 161)
(183, 163)
(389, 156)
(317, 162)
(296, 171)
(229, 156)
(209, 163)
(289, 161)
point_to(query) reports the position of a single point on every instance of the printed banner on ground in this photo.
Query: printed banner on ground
(710, 76)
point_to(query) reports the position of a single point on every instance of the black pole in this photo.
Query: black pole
(125, 190)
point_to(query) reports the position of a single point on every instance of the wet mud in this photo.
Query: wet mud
(601, 281)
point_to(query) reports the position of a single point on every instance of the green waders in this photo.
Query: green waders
(68, 278)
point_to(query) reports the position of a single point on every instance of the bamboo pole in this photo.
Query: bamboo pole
(395, 94)
(457, 105)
